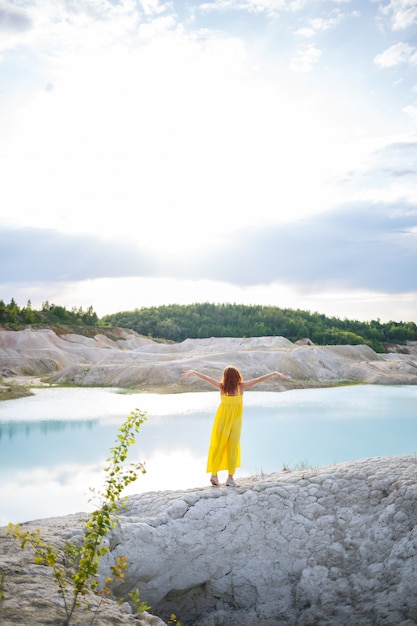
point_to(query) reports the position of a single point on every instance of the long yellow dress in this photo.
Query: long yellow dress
(224, 451)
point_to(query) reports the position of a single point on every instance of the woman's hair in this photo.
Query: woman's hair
(231, 380)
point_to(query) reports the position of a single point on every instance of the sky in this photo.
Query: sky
(230, 151)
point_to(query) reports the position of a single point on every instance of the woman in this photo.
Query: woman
(224, 451)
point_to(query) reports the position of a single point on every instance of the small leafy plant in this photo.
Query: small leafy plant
(75, 565)
(174, 621)
(137, 603)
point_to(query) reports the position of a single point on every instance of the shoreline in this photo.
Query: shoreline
(15, 387)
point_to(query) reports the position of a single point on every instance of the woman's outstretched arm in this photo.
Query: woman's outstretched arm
(245, 384)
(208, 379)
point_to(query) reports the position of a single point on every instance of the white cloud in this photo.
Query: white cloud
(157, 27)
(322, 24)
(305, 59)
(411, 110)
(403, 13)
(152, 7)
(13, 20)
(83, 26)
(395, 55)
(269, 7)
(275, 6)
(306, 32)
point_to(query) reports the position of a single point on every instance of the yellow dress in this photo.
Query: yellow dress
(224, 451)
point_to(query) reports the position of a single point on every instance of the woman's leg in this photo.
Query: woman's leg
(214, 480)
(233, 447)
(230, 482)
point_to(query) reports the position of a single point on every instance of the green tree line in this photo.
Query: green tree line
(178, 322)
(49, 315)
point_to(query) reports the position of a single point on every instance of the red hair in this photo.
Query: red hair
(231, 380)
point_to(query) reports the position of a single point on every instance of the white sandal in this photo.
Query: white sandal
(214, 481)
(230, 483)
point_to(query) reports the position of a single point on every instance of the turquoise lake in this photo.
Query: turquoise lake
(53, 445)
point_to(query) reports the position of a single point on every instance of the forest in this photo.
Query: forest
(176, 323)
(49, 315)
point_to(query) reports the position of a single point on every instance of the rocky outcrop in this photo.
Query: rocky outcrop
(129, 360)
(330, 546)
(335, 545)
(29, 595)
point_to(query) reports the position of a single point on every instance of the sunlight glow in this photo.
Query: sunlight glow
(178, 130)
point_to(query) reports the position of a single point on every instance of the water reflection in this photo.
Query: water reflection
(53, 445)
(8, 430)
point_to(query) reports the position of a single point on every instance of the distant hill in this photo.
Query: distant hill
(198, 321)
(176, 323)
(122, 358)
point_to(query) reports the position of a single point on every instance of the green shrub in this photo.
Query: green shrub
(75, 566)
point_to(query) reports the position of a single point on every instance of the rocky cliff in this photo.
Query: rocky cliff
(335, 545)
(126, 359)
(328, 547)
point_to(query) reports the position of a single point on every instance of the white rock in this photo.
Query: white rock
(131, 360)
(264, 553)
(329, 546)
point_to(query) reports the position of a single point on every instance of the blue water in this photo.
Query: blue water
(53, 445)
